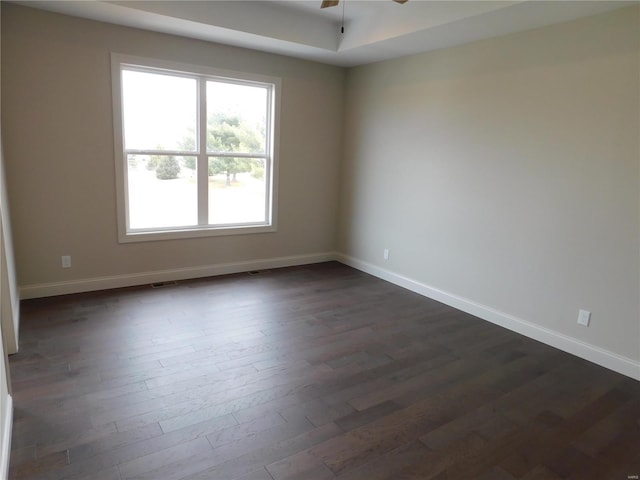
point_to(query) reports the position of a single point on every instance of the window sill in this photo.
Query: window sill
(198, 232)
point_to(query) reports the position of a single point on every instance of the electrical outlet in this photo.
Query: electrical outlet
(385, 254)
(66, 261)
(583, 317)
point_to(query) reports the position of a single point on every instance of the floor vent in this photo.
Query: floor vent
(163, 284)
(258, 272)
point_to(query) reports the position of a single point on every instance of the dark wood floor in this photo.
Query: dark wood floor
(310, 373)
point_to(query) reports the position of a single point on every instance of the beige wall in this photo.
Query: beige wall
(9, 295)
(58, 131)
(506, 173)
(8, 326)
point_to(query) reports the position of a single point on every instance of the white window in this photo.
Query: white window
(195, 150)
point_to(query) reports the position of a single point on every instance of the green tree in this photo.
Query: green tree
(167, 168)
(229, 166)
(190, 162)
(188, 143)
(152, 164)
(229, 133)
(257, 169)
(154, 160)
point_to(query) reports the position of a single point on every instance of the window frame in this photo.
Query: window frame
(202, 74)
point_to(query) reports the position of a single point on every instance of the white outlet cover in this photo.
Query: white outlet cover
(583, 317)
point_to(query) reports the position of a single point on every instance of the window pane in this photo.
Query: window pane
(159, 111)
(162, 191)
(237, 190)
(236, 118)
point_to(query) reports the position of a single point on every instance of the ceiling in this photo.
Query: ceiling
(373, 30)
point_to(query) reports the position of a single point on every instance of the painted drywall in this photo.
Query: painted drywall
(58, 141)
(506, 173)
(8, 334)
(638, 136)
(9, 295)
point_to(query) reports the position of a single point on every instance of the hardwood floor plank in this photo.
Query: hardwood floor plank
(403, 426)
(541, 473)
(32, 468)
(550, 438)
(614, 431)
(304, 373)
(108, 442)
(389, 464)
(367, 383)
(154, 461)
(359, 418)
(245, 463)
(260, 474)
(301, 465)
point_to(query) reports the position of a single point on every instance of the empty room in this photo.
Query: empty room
(309, 240)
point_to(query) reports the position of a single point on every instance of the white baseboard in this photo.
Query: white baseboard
(599, 356)
(143, 278)
(6, 447)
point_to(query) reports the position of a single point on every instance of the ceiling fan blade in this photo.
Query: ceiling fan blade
(330, 3)
(401, 1)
